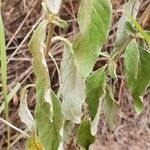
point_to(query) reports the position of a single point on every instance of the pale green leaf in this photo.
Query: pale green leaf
(10, 96)
(94, 28)
(36, 47)
(139, 28)
(73, 88)
(131, 7)
(33, 143)
(131, 63)
(24, 113)
(140, 84)
(59, 22)
(95, 90)
(112, 69)
(46, 121)
(52, 6)
(84, 137)
(110, 108)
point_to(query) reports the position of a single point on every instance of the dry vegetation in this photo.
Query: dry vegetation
(20, 19)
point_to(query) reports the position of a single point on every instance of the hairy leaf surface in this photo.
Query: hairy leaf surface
(95, 90)
(24, 112)
(73, 88)
(110, 108)
(131, 7)
(139, 84)
(47, 122)
(94, 29)
(84, 137)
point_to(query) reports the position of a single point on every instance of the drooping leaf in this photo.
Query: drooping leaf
(95, 90)
(131, 63)
(73, 88)
(94, 29)
(52, 6)
(131, 7)
(33, 143)
(24, 112)
(110, 108)
(139, 28)
(84, 137)
(140, 84)
(46, 121)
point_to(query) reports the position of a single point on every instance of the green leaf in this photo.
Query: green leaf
(84, 137)
(112, 69)
(24, 112)
(110, 108)
(48, 124)
(73, 88)
(94, 29)
(131, 7)
(140, 84)
(33, 143)
(131, 63)
(52, 6)
(130, 28)
(95, 90)
(59, 22)
(139, 28)
(10, 96)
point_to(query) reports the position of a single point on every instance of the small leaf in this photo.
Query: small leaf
(130, 28)
(94, 28)
(131, 63)
(84, 137)
(24, 112)
(72, 89)
(131, 7)
(139, 28)
(52, 6)
(112, 69)
(33, 143)
(59, 22)
(95, 90)
(140, 84)
(110, 108)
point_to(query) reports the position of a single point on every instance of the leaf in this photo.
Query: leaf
(112, 69)
(73, 88)
(68, 130)
(52, 6)
(131, 7)
(94, 28)
(33, 143)
(84, 137)
(36, 47)
(47, 102)
(95, 90)
(131, 63)
(110, 108)
(10, 96)
(24, 112)
(59, 22)
(139, 28)
(140, 84)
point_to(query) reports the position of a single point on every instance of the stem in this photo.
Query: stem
(49, 37)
